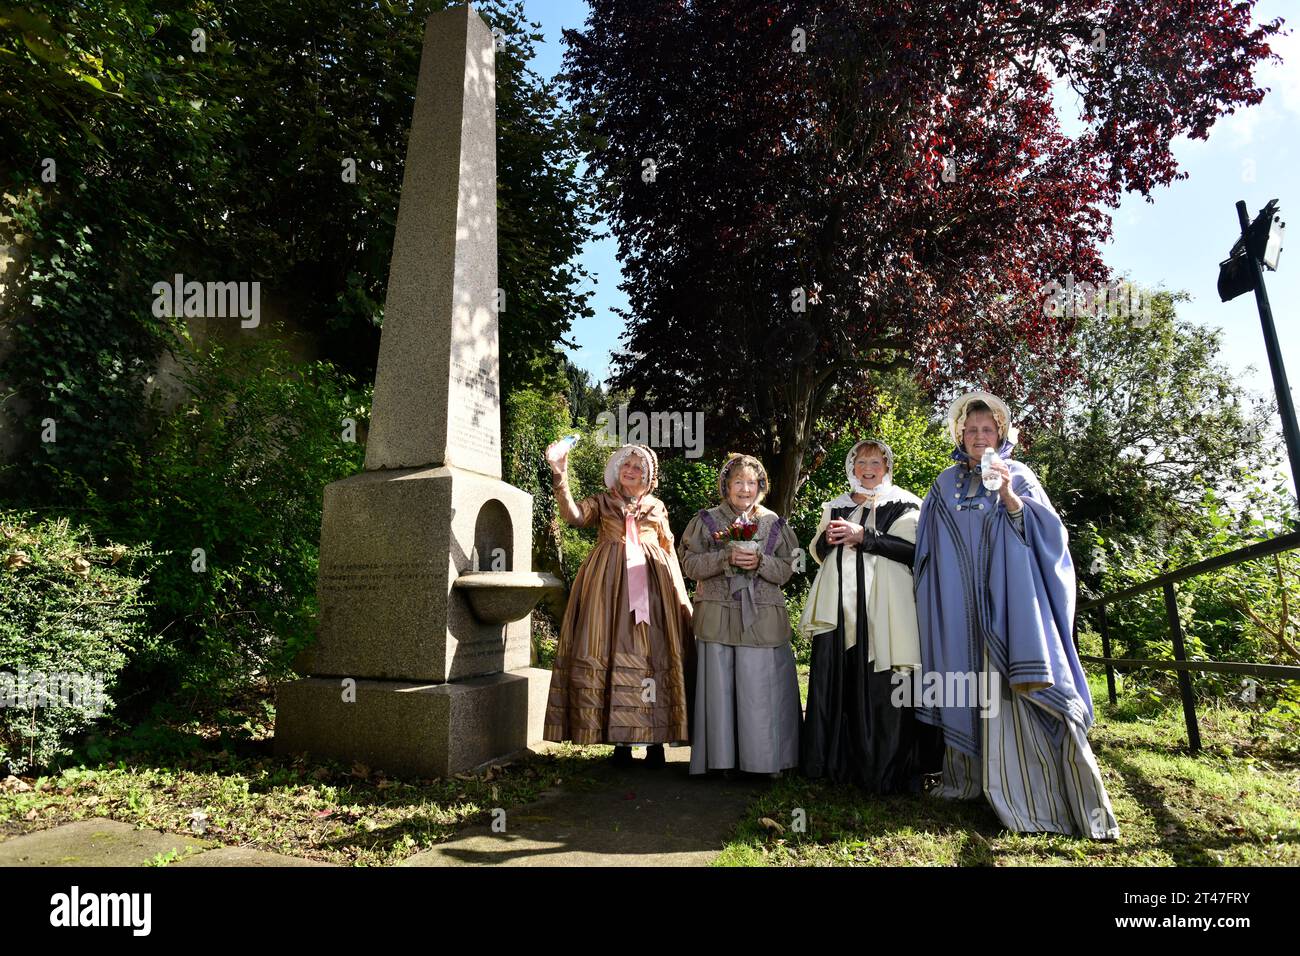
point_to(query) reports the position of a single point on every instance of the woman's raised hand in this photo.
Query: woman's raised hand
(557, 455)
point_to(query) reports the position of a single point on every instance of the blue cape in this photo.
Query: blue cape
(979, 583)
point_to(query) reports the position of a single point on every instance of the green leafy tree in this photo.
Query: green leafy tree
(1155, 421)
(585, 399)
(217, 141)
(109, 152)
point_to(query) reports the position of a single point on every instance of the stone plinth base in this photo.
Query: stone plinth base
(413, 729)
(391, 547)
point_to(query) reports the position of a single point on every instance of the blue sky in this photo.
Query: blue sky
(1175, 242)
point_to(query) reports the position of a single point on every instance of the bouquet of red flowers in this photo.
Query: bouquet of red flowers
(742, 529)
(739, 534)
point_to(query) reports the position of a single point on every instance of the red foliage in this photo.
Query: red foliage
(824, 170)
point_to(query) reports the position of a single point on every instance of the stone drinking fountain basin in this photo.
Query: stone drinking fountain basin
(499, 597)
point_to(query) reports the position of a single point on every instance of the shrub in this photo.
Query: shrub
(687, 485)
(71, 610)
(230, 498)
(1232, 614)
(532, 420)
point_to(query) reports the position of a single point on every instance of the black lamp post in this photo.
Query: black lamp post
(1261, 245)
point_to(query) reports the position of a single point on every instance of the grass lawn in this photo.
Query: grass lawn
(232, 791)
(1237, 803)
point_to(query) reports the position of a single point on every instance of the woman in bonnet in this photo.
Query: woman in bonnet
(625, 644)
(995, 595)
(862, 618)
(747, 711)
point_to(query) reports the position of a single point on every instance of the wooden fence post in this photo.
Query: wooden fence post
(1184, 677)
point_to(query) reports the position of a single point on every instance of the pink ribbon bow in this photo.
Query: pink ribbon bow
(638, 592)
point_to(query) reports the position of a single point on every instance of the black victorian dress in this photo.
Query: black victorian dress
(853, 729)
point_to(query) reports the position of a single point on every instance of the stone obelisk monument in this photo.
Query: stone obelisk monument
(405, 676)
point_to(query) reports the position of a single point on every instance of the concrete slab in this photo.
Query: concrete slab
(100, 842)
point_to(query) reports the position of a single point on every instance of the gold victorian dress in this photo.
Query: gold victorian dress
(616, 681)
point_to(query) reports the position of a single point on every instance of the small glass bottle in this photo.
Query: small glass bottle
(562, 447)
(992, 480)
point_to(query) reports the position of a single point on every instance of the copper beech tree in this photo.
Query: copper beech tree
(808, 194)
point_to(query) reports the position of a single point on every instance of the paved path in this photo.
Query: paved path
(638, 816)
(95, 843)
(107, 842)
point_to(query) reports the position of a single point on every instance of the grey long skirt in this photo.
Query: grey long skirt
(1034, 785)
(747, 711)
